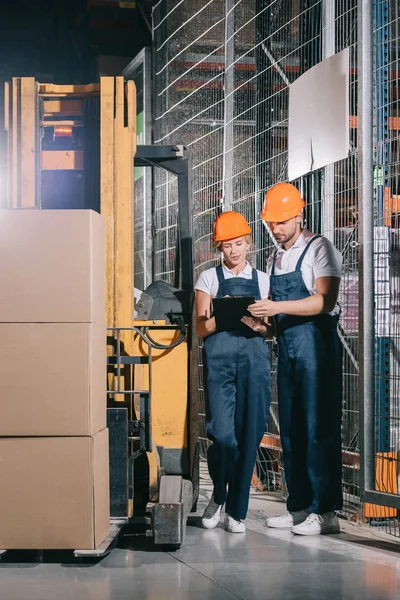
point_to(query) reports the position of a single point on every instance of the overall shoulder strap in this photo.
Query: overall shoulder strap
(300, 261)
(220, 274)
(274, 261)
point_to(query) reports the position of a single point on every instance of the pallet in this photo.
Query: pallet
(116, 527)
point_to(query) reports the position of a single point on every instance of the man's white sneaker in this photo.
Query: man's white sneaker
(287, 520)
(212, 514)
(317, 524)
(234, 526)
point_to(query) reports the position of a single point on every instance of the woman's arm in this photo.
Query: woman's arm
(205, 324)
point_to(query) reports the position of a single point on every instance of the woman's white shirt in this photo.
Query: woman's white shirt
(208, 280)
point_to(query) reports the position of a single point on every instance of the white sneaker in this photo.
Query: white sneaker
(287, 520)
(234, 526)
(212, 514)
(317, 524)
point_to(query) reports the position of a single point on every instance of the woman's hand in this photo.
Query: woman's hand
(264, 308)
(255, 324)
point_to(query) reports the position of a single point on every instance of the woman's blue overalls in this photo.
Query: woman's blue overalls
(237, 383)
(310, 399)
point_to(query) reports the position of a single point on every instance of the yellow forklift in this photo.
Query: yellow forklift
(74, 147)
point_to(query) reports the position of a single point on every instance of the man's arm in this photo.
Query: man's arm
(323, 301)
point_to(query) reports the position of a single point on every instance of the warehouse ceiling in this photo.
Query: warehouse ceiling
(58, 40)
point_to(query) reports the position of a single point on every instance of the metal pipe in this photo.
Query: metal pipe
(229, 88)
(142, 63)
(275, 63)
(328, 28)
(328, 181)
(382, 498)
(366, 221)
(148, 173)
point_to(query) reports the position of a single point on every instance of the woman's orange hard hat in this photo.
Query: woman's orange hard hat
(230, 225)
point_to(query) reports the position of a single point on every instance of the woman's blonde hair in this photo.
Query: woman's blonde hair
(247, 238)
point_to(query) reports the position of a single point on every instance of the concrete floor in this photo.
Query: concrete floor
(215, 565)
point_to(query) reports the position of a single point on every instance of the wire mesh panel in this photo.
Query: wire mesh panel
(386, 24)
(189, 87)
(222, 71)
(140, 206)
(275, 42)
(222, 74)
(140, 71)
(346, 240)
(386, 263)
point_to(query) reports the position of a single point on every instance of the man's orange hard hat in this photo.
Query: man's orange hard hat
(282, 202)
(230, 225)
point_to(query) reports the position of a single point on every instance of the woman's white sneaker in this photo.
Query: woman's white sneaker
(234, 526)
(211, 515)
(287, 520)
(318, 524)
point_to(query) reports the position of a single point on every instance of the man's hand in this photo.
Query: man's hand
(323, 301)
(255, 324)
(263, 308)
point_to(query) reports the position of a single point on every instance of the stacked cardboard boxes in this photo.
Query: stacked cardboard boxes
(53, 438)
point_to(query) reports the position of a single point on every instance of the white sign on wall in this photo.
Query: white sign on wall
(319, 125)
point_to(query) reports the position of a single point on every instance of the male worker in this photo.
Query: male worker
(305, 274)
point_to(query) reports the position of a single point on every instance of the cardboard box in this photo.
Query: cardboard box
(54, 492)
(53, 379)
(52, 266)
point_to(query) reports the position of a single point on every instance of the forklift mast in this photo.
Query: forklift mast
(74, 147)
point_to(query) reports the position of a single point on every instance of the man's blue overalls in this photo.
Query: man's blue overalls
(310, 399)
(238, 392)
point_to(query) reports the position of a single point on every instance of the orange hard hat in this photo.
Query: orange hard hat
(230, 225)
(282, 202)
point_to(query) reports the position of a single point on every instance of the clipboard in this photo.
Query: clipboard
(228, 312)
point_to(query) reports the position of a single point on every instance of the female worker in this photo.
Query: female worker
(236, 374)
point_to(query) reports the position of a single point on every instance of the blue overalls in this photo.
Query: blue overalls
(309, 378)
(238, 393)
